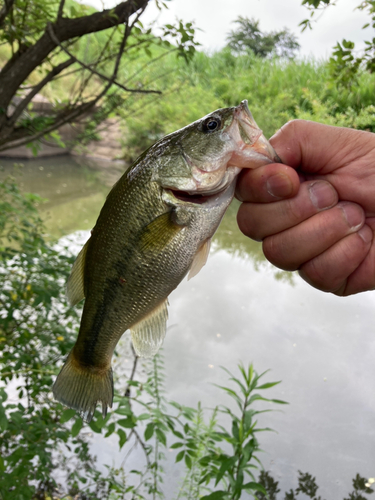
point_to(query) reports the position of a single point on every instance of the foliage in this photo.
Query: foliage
(277, 91)
(347, 63)
(249, 37)
(36, 327)
(308, 487)
(41, 441)
(45, 448)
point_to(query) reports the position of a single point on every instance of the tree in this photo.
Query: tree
(346, 61)
(248, 36)
(43, 41)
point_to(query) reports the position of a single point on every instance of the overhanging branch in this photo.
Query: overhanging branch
(20, 67)
(94, 71)
(24, 103)
(8, 4)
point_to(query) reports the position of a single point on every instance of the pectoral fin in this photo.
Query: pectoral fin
(200, 259)
(158, 233)
(148, 334)
(75, 285)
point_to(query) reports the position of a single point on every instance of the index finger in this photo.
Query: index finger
(268, 183)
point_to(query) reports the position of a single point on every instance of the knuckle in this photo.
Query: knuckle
(313, 273)
(277, 251)
(247, 223)
(294, 210)
(291, 126)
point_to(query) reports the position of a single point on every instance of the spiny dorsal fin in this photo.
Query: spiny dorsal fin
(75, 285)
(148, 334)
(200, 259)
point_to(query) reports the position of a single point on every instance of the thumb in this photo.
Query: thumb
(318, 148)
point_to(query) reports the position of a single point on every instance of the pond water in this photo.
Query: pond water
(240, 308)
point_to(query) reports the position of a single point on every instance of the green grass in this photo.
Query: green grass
(277, 91)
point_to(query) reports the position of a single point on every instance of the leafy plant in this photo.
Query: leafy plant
(40, 439)
(347, 63)
(308, 487)
(217, 449)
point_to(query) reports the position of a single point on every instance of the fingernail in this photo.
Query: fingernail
(353, 214)
(279, 185)
(322, 195)
(366, 234)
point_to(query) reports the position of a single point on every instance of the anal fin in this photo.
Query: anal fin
(148, 334)
(200, 259)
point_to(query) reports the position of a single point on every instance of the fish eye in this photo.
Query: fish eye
(211, 124)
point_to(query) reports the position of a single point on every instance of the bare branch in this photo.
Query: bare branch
(103, 77)
(8, 4)
(148, 63)
(23, 104)
(22, 136)
(61, 8)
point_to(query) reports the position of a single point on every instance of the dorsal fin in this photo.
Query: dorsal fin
(200, 259)
(75, 285)
(148, 334)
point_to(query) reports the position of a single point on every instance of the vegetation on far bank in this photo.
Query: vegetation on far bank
(277, 89)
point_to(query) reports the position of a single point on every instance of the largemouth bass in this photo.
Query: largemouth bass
(154, 228)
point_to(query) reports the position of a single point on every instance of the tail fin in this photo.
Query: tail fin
(82, 387)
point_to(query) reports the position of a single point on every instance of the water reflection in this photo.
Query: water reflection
(72, 194)
(320, 346)
(230, 239)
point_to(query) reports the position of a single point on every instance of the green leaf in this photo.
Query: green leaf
(67, 415)
(268, 385)
(188, 461)
(255, 486)
(3, 394)
(94, 427)
(111, 429)
(143, 416)
(216, 495)
(180, 456)
(149, 431)
(225, 466)
(122, 436)
(161, 436)
(77, 426)
(176, 445)
(3, 418)
(2, 465)
(128, 423)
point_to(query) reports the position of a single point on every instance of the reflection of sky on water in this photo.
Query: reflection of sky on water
(322, 347)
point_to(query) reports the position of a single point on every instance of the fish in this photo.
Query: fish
(155, 228)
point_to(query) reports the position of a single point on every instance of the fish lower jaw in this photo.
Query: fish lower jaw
(197, 198)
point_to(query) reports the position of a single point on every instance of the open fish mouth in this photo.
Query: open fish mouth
(197, 198)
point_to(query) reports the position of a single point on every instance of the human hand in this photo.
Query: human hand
(315, 212)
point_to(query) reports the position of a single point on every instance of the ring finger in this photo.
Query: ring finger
(293, 247)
